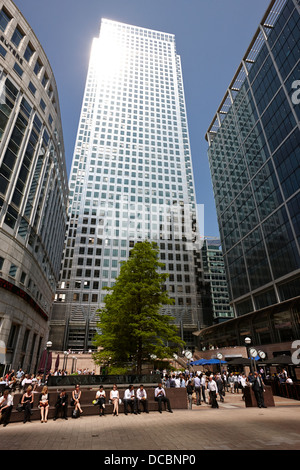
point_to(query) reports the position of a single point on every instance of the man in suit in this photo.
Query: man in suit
(61, 404)
(258, 389)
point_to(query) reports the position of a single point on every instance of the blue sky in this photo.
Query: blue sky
(212, 36)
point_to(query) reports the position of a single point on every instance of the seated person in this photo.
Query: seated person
(160, 397)
(61, 405)
(141, 395)
(6, 406)
(130, 399)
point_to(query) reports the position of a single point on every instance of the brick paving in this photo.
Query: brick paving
(231, 427)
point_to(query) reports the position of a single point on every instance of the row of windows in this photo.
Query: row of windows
(30, 52)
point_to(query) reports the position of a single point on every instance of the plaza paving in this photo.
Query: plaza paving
(231, 427)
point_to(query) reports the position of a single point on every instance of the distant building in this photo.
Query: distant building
(33, 191)
(215, 276)
(254, 157)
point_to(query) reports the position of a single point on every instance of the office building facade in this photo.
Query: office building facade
(131, 180)
(254, 158)
(215, 278)
(33, 191)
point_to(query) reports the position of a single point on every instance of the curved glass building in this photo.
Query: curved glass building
(33, 190)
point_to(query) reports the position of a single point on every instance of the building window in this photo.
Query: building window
(4, 19)
(17, 36)
(29, 51)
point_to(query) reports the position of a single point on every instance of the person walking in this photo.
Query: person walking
(221, 389)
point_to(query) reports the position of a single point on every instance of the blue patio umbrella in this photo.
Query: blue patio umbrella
(199, 362)
(214, 361)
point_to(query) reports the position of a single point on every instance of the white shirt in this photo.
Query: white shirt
(128, 394)
(141, 393)
(212, 386)
(8, 401)
(159, 392)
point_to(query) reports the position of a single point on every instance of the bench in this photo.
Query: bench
(177, 397)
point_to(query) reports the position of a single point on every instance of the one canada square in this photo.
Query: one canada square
(131, 180)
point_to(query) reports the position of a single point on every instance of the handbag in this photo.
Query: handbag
(20, 407)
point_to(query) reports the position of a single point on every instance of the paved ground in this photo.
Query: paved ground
(231, 427)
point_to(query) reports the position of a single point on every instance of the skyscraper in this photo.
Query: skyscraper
(33, 191)
(254, 156)
(131, 179)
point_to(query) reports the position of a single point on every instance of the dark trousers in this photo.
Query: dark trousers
(132, 404)
(259, 395)
(203, 393)
(63, 408)
(6, 412)
(144, 405)
(161, 400)
(27, 411)
(213, 399)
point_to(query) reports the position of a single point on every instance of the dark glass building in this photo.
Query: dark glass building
(254, 157)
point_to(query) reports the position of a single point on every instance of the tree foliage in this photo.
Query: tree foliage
(132, 327)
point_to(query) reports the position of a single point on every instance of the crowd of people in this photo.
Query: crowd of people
(201, 387)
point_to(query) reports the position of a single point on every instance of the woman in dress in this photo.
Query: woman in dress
(27, 402)
(76, 395)
(114, 397)
(44, 404)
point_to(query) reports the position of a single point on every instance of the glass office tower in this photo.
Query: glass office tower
(254, 157)
(131, 180)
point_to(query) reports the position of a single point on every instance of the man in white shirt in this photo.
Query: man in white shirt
(141, 395)
(130, 399)
(160, 397)
(6, 406)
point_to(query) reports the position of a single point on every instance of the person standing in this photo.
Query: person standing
(141, 395)
(258, 389)
(220, 385)
(203, 386)
(130, 399)
(6, 406)
(213, 391)
(160, 397)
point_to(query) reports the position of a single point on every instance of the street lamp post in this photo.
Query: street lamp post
(220, 357)
(48, 345)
